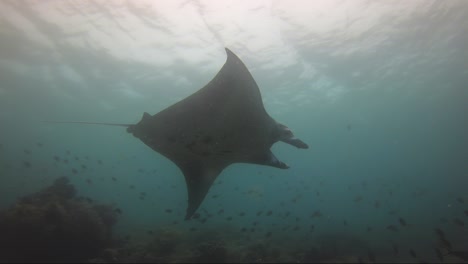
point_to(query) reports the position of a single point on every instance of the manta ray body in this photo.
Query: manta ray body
(223, 123)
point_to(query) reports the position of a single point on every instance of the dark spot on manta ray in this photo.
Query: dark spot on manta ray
(190, 145)
(248, 134)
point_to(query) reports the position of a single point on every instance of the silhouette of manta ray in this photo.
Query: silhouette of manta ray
(223, 123)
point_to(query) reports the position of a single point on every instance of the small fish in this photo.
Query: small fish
(149, 232)
(56, 158)
(402, 221)
(99, 162)
(89, 181)
(252, 230)
(358, 198)
(77, 158)
(466, 212)
(392, 212)
(221, 211)
(312, 228)
(192, 229)
(196, 215)
(113, 178)
(259, 213)
(83, 166)
(412, 253)
(229, 218)
(27, 151)
(345, 223)
(392, 228)
(68, 152)
(269, 213)
(364, 184)
(268, 234)
(377, 204)
(369, 229)
(460, 200)
(39, 144)
(26, 164)
(65, 161)
(118, 210)
(74, 171)
(296, 228)
(241, 214)
(168, 211)
(316, 213)
(243, 229)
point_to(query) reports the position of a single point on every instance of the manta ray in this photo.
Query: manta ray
(223, 123)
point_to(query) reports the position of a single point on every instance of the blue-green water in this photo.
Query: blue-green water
(377, 89)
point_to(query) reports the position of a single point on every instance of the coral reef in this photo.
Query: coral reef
(210, 252)
(53, 225)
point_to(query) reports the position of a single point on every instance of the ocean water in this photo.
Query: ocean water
(377, 89)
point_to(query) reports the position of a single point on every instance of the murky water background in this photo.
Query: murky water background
(377, 89)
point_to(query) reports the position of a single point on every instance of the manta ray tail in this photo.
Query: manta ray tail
(90, 123)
